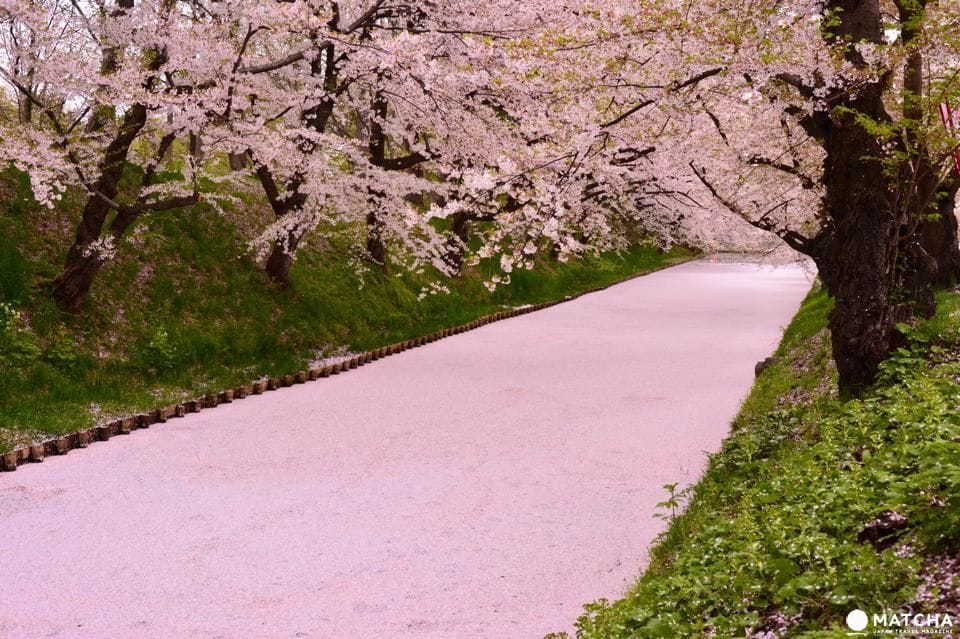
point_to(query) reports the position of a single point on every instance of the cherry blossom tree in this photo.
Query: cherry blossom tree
(819, 123)
(851, 119)
(351, 111)
(455, 131)
(413, 121)
(373, 110)
(99, 79)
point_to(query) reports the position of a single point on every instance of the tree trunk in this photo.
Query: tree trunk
(109, 62)
(377, 147)
(940, 238)
(71, 287)
(84, 260)
(283, 252)
(83, 263)
(281, 259)
(457, 244)
(376, 247)
(879, 250)
(196, 146)
(24, 103)
(238, 161)
(857, 250)
(862, 320)
(871, 260)
(932, 255)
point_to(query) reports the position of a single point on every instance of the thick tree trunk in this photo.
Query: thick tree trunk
(71, 287)
(883, 258)
(858, 252)
(862, 320)
(83, 263)
(878, 250)
(870, 253)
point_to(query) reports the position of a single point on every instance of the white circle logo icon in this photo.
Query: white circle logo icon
(857, 620)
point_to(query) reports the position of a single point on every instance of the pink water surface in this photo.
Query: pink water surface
(487, 485)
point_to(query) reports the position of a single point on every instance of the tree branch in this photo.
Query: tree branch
(403, 163)
(793, 239)
(696, 79)
(673, 88)
(797, 83)
(626, 114)
(805, 180)
(266, 67)
(364, 17)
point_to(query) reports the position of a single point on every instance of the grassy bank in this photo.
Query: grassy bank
(816, 506)
(183, 310)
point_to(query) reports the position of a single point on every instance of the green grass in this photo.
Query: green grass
(184, 310)
(769, 538)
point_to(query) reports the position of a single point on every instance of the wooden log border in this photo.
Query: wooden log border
(61, 445)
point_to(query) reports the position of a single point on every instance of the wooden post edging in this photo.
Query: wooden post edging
(82, 438)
